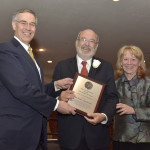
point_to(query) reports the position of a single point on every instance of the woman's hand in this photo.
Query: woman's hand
(123, 109)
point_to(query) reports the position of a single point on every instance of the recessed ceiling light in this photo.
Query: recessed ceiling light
(116, 0)
(49, 61)
(41, 50)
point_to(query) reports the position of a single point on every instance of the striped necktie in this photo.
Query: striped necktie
(31, 54)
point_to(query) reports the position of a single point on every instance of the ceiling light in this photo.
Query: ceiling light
(41, 50)
(49, 61)
(116, 0)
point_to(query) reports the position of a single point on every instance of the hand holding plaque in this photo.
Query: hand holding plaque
(88, 94)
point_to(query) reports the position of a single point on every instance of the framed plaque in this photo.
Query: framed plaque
(88, 94)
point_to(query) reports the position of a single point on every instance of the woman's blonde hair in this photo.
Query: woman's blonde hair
(137, 52)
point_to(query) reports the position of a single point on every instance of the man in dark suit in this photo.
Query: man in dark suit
(78, 132)
(24, 104)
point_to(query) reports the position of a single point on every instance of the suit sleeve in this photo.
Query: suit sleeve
(110, 95)
(57, 72)
(50, 90)
(58, 75)
(15, 80)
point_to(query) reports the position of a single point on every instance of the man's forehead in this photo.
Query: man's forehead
(89, 34)
(26, 15)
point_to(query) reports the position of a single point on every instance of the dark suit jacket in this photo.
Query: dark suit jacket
(24, 105)
(71, 127)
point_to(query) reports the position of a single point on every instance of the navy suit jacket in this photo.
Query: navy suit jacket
(24, 105)
(71, 127)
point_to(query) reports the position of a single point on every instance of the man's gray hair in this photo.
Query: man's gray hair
(23, 10)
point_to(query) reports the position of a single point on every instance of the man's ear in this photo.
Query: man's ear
(76, 43)
(96, 46)
(13, 25)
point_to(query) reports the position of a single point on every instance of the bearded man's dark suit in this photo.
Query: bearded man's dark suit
(70, 128)
(24, 105)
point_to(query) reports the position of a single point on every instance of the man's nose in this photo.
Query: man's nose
(87, 42)
(28, 26)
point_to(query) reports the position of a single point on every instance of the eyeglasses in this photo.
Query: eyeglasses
(90, 41)
(25, 23)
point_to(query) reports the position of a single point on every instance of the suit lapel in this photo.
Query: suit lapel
(41, 71)
(92, 71)
(21, 51)
(73, 66)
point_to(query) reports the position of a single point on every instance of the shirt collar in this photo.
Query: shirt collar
(132, 82)
(24, 45)
(79, 60)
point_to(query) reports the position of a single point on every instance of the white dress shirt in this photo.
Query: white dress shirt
(79, 63)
